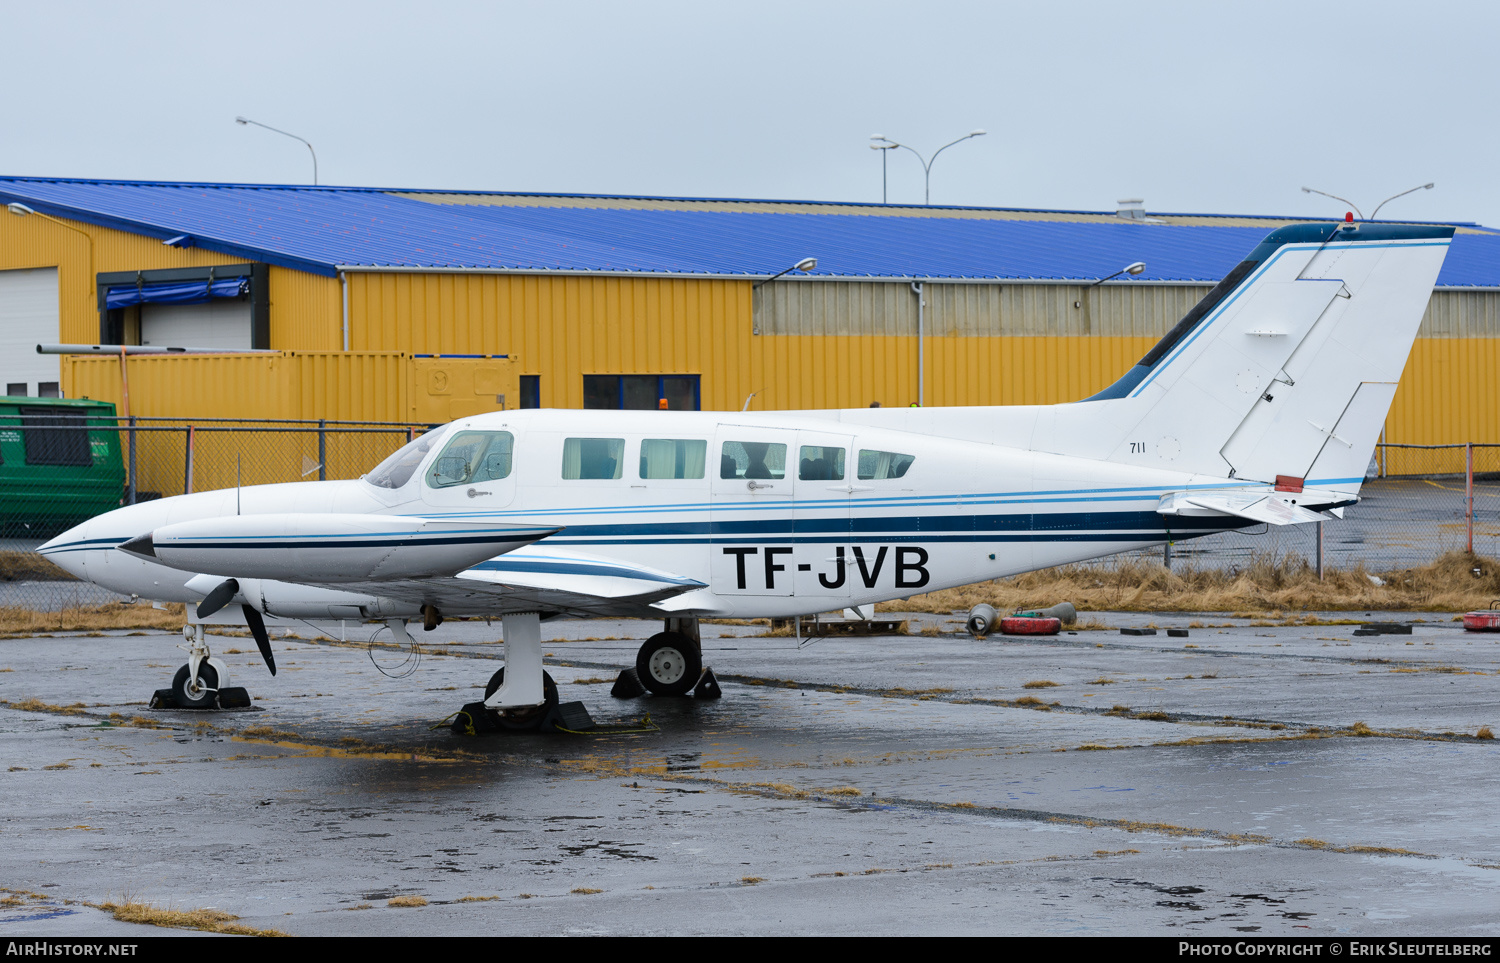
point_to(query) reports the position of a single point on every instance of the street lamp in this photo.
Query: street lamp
(245, 120)
(21, 210)
(1132, 269)
(806, 264)
(881, 142)
(1423, 187)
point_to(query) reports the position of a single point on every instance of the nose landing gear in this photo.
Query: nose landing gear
(203, 683)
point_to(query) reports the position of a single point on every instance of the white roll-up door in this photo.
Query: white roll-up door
(28, 317)
(220, 323)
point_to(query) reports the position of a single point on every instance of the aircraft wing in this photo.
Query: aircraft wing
(540, 580)
(1274, 508)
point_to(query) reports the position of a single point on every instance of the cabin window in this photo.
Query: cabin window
(596, 458)
(819, 463)
(673, 458)
(752, 459)
(398, 468)
(472, 456)
(878, 465)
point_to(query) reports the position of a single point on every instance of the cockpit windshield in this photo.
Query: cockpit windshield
(397, 470)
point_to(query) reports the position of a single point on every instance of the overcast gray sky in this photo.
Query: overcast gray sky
(1212, 107)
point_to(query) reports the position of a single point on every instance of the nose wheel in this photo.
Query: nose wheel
(201, 684)
(669, 664)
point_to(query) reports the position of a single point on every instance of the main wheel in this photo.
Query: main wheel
(669, 664)
(526, 717)
(200, 697)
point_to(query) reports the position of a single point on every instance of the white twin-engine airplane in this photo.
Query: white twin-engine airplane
(1261, 406)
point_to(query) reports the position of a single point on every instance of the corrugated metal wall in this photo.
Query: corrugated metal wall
(794, 344)
(970, 310)
(562, 328)
(358, 386)
(33, 241)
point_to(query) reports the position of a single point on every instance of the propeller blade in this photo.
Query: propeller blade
(218, 598)
(258, 629)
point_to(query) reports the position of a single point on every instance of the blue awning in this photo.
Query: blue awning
(175, 292)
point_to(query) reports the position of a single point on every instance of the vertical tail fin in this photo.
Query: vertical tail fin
(1288, 366)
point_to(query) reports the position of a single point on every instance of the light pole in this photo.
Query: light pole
(881, 142)
(878, 142)
(1422, 187)
(245, 120)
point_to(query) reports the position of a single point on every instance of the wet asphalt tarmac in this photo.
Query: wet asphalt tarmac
(1213, 785)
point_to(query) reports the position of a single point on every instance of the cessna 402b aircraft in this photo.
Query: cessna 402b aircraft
(1261, 406)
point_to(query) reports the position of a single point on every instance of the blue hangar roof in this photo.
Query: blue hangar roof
(325, 229)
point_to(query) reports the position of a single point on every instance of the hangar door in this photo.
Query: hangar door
(28, 317)
(223, 308)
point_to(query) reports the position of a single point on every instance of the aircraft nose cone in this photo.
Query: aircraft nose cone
(64, 550)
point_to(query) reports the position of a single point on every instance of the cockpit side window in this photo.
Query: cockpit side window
(472, 456)
(397, 469)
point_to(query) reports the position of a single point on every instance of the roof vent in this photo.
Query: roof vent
(1131, 209)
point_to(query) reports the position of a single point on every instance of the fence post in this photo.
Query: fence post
(322, 449)
(1320, 551)
(130, 483)
(187, 464)
(1469, 492)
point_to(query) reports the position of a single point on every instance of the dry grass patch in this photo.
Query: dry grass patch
(1270, 583)
(407, 901)
(37, 705)
(1484, 733)
(207, 920)
(585, 890)
(1040, 684)
(115, 615)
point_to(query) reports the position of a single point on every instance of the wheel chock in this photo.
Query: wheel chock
(708, 686)
(569, 715)
(474, 719)
(234, 697)
(628, 685)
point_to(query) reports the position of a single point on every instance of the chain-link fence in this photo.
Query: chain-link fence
(59, 468)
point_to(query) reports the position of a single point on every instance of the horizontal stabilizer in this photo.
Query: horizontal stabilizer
(1273, 508)
(323, 548)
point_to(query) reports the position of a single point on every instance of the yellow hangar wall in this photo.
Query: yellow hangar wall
(737, 340)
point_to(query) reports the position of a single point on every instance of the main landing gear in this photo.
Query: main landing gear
(670, 663)
(203, 683)
(521, 696)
